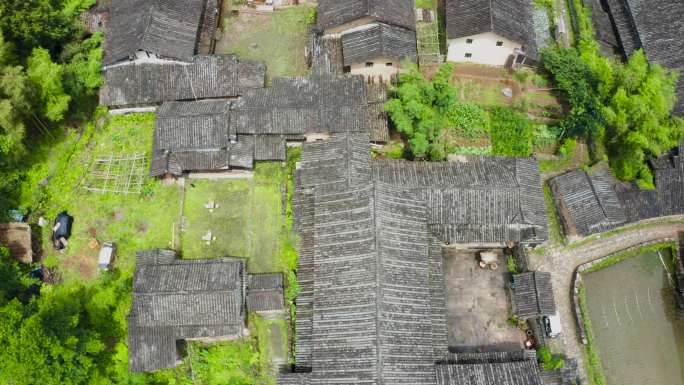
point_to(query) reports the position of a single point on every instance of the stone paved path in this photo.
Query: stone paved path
(562, 262)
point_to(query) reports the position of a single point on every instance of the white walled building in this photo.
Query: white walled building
(491, 32)
(376, 35)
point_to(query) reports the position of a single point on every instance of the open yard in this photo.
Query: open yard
(279, 38)
(245, 219)
(478, 305)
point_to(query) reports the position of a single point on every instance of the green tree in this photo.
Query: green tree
(421, 109)
(83, 75)
(639, 125)
(39, 23)
(15, 90)
(47, 78)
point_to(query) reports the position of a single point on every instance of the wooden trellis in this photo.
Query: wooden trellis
(123, 174)
(427, 35)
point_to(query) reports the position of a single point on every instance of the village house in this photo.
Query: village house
(180, 300)
(223, 135)
(16, 237)
(370, 263)
(587, 204)
(376, 35)
(158, 29)
(656, 27)
(532, 295)
(491, 32)
(160, 51)
(597, 202)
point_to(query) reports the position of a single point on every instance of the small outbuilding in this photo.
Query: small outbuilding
(532, 295)
(16, 237)
(587, 204)
(265, 293)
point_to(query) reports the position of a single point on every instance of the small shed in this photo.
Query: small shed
(16, 237)
(532, 295)
(265, 293)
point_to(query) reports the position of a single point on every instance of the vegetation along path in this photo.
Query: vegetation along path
(563, 261)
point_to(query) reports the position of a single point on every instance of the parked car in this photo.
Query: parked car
(552, 325)
(106, 256)
(61, 231)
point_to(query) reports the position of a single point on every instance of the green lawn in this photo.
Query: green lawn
(248, 222)
(278, 39)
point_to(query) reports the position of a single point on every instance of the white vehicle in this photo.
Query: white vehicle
(106, 256)
(552, 325)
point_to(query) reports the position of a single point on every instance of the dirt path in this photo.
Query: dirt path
(562, 262)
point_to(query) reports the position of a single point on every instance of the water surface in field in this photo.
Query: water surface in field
(638, 332)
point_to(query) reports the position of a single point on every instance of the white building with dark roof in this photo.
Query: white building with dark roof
(491, 32)
(376, 35)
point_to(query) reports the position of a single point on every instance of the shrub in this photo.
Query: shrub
(511, 133)
(568, 147)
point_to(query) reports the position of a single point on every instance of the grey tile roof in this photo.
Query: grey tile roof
(305, 105)
(509, 18)
(334, 13)
(265, 292)
(168, 28)
(378, 40)
(144, 83)
(588, 204)
(181, 299)
(655, 26)
(524, 372)
(192, 136)
(533, 295)
(372, 302)
(483, 200)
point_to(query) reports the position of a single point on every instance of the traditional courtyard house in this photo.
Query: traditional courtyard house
(158, 29)
(587, 204)
(656, 27)
(532, 295)
(491, 32)
(175, 300)
(150, 55)
(376, 35)
(669, 180)
(142, 83)
(222, 135)
(17, 238)
(370, 267)
(180, 300)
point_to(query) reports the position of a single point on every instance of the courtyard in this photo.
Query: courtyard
(478, 305)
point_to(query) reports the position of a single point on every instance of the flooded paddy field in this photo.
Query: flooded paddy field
(638, 331)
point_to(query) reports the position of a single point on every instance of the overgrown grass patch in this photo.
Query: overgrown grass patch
(133, 222)
(247, 223)
(278, 39)
(556, 234)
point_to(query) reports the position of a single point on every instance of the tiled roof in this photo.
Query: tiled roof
(334, 13)
(150, 82)
(511, 19)
(168, 28)
(378, 40)
(182, 299)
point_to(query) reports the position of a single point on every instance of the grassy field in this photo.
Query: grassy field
(278, 39)
(247, 223)
(133, 222)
